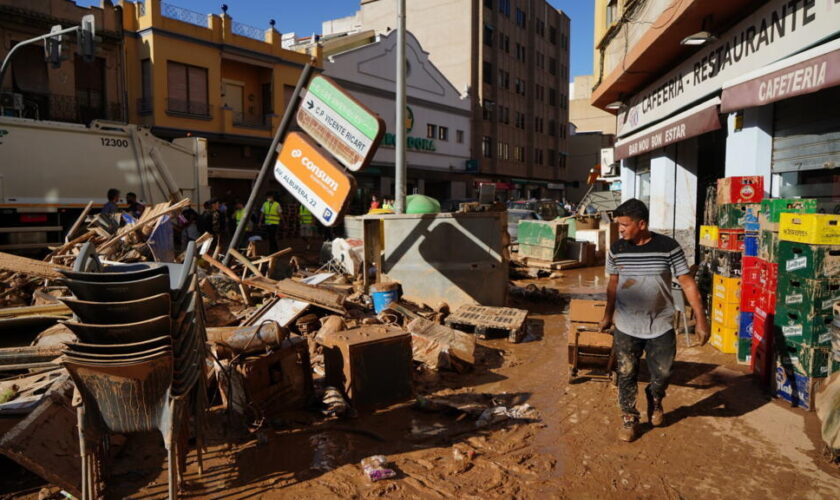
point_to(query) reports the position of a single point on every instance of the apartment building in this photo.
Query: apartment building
(704, 90)
(75, 91)
(511, 57)
(190, 73)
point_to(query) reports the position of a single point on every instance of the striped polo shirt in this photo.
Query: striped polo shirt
(644, 307)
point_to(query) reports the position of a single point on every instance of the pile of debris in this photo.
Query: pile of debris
(280, 336)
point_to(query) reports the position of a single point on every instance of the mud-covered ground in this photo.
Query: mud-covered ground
(723, 437)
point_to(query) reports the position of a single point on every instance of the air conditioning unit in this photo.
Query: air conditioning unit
(11, 100)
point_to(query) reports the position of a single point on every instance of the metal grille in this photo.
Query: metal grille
(185, 15)
(242, 120)
(249, 31)
(196, 108)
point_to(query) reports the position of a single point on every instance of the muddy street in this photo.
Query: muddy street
(722, 436)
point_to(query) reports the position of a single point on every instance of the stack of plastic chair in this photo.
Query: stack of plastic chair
(139, 363)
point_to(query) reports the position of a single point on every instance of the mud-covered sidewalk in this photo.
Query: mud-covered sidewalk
(722, 437)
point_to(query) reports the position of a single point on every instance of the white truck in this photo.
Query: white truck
(49, 171)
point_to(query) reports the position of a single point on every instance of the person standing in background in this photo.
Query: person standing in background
(110, 207)
(270, 219)
(307, 225)
(135, 208)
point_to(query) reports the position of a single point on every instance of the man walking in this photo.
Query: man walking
(270, 218)
(641, 265)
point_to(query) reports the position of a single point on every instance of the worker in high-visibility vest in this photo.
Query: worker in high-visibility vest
(307, 225)
(239, 213)
(270, 220)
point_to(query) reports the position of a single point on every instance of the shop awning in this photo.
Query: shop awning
(815, 69)
(691, 122)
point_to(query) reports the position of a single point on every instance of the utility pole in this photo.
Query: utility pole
(399, 165)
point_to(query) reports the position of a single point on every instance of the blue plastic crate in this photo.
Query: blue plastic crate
(745, 325)
(751, 241)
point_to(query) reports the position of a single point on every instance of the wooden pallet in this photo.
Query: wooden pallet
(487, 322)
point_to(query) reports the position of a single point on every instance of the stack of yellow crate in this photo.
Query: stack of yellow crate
(726, 308)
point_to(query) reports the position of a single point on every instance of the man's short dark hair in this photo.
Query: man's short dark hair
(130, 195)
(633, 208)
(113, 193)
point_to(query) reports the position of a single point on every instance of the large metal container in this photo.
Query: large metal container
(458, 258)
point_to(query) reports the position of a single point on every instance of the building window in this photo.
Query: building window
(612, 11)
(488, 72)
(503, 152)
(459, 136)
(431, 131)
(487, 109)
(504, 42)
(552, 158)
(552, 128)
(504, 79)
(538, 156)
(145, 104)
(539, 27)
(538, 125)
(504, 7)
(552, 35)
(539, 92)
(488, 35)
(552, 97)
(520, 18)
(520, 52)
(443, 133)
(520, 86)
(187, 88)
(519, 153)
(552, 65)
(504, 115)
(487, 147)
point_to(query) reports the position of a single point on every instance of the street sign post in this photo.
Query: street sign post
(340, 123)
(313, 178)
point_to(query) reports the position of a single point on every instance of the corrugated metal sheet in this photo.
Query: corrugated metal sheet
(806, 132)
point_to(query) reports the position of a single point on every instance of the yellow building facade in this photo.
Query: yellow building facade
(205, 75)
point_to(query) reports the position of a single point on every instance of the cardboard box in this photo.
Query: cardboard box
(726, 290)
(813, 229)
(773, 208)
(731, 239)
(739, 216)
(811, 297)
(593, 345)
(726, 314)
(724, 339)
(803, 359)
(749, 298)
(768, 245)
(797, 389)
(809, 261)
(727, 263)
(813, 330)
(748, 189)
(709, 236)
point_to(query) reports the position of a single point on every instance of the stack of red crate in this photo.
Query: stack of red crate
(761, 355)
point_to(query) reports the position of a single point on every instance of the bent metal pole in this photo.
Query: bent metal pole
(291, 107)
(399, 164)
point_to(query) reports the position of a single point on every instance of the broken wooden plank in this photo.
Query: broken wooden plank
(71, 234)
(30, 267)
(221, 267)
(438, 346)
(149, 216)
(40, 310)
(245, 262)
(268, 258)
(312, 294)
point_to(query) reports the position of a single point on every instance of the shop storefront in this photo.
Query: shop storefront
(761, 99)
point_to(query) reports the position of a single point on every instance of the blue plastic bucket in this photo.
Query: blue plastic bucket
(385, 297)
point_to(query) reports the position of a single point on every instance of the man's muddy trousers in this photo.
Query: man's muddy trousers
(659, 353)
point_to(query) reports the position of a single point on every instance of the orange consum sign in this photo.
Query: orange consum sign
(313, 178)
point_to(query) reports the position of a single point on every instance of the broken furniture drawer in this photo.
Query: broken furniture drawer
(372, 365)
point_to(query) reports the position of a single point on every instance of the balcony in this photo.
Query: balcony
(188, 109)
(251, 121)
(182, 14)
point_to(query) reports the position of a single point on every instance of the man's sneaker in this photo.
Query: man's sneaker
(656, 415)
(629, 428)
